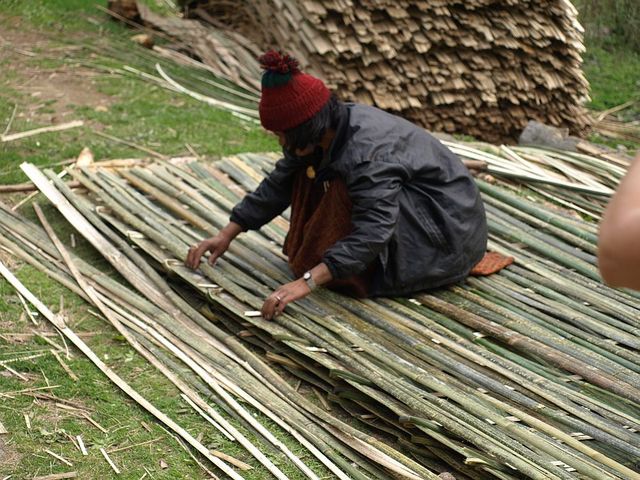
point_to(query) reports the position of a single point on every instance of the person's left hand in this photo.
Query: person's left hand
(278, 300)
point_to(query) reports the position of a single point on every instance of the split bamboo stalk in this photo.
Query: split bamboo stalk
(208, 100)
(230, 401)
(77, 342)
(112, 375)
(57, 476)
(526, 380)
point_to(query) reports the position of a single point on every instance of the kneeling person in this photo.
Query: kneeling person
(378, 205)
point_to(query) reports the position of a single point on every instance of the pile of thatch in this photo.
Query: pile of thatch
(225, 53)
(529, 373)
(479, 67)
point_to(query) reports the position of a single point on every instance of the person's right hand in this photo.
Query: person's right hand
(217, 245)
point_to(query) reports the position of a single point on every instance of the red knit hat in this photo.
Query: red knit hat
(289, 97)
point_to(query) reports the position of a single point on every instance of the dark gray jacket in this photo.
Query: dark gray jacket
(416, 211)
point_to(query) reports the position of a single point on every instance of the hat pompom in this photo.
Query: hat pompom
(278, 68)
(289, 97)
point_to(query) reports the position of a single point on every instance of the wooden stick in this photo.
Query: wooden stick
(29, 312)
(15, 373)
(131, 144)
(321, 399)
(46, 334)
(192, 151)
(62, 459)
(29, 187)
(57, 476)
(83, 449)
(188, 450)
(13, 114)
(79, 411)
(45, 377)
(73, 440)
(109, 461)
(95, 424)
(37, 131)
(202, 413)
(15, 392)
(475, 164)
(49, 341)
(128, 447)
(58, 401)
(67, 353)
(615, 109)
(233, 461)
(27, 421)
(64, 366)
(33, 194)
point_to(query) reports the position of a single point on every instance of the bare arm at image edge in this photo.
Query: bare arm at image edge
(619, 239)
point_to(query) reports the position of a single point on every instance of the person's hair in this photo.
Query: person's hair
(311, 131)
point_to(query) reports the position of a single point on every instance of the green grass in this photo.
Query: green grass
(614, 75)
(611, 22)
(59, 16)
(612, 59)
(141, 113)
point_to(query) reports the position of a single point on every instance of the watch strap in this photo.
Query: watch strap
(308, 278)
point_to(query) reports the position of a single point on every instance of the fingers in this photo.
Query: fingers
(274, 305)
(282, 302)
(217, 245)
(195, 254)
(215, 254)
(269, 307)
(191, 258)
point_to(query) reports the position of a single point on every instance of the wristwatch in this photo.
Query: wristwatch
(308, 278)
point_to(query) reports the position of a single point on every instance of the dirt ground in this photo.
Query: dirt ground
(8, 455)
(31, 67)
(50, 94)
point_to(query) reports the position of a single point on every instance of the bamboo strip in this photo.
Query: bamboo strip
(37, 131)
(109, 373)
(57, 476)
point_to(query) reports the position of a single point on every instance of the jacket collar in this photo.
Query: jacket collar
(343, 133)
(321, 160)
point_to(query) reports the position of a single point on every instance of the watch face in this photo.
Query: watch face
(307, 275)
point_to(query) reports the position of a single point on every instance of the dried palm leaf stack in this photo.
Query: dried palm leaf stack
(478, 67)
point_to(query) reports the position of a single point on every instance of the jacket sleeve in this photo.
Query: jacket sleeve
(374, 187)
(270, 199)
